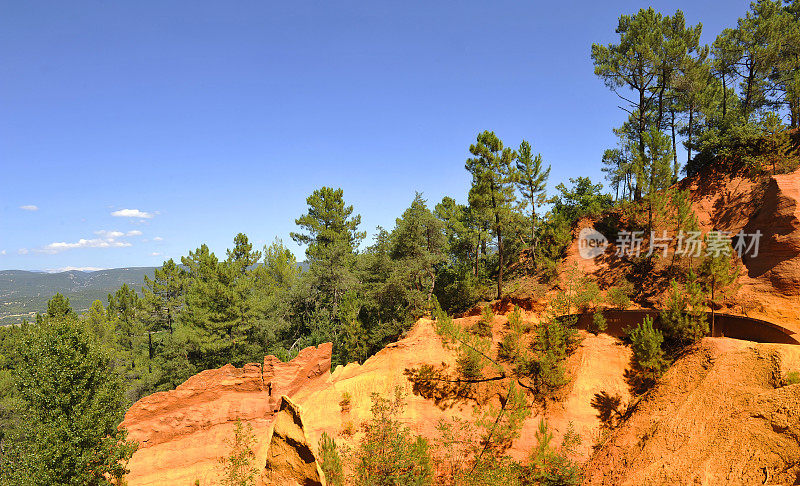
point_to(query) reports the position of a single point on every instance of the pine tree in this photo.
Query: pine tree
(331, 232)
(163, 296)
(717, 273)
(532, 183)
(647, 353)
(58, 308)
(634, 63)
(417, 245)
(238, 466)
(492, 191)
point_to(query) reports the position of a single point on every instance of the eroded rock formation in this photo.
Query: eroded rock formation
(290, 457)
(182, 433)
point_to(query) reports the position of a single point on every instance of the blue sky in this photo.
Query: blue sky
(133, 132)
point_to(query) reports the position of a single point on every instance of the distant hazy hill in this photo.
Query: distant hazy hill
(23, 294)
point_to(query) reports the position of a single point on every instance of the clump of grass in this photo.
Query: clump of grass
(345, 404)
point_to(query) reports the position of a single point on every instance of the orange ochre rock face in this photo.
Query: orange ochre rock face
(768, 286)
(182, 432)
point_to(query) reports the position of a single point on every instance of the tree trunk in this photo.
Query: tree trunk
(724, 97)
(477, 255)
(713, 284)
(500, 272)
(748, 97)
(689, 145)
(638, 192)
(674, 144)
(149, 351)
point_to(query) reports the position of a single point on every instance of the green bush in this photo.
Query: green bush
(389, 454)
(599, 323)
(238, 467)
(551, 466)
(470, 365)
(793, 378)
(330, 461)
(620, 296)
(647, 353)
(683, 317)
(483, 327)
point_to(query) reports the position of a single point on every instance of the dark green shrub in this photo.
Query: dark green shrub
(620, 295)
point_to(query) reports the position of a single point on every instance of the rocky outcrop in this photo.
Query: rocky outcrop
(290, 458)
(720, 415)
(182, 433)
(778, 259)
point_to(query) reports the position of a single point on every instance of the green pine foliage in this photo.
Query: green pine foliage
(238, 466)
(683, 317)
(330, 460)
(389, 453)
(646, 343)
(551, 465)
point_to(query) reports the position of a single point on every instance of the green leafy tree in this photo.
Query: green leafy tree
(718, 271)
(98, 325)
(58, 308)
(389, 454)
(634, 64)
(418, 246)
(163, 295)
(330, 461)
(71, 403)
(684, 317)
(124, 310)
(209, 316)
(551, 465)
(646, 343)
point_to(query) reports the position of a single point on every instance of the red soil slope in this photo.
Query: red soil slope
(720, 415)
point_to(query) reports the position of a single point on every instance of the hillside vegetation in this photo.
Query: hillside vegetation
(726, 103)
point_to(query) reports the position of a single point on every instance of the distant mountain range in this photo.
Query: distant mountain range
(23, 293)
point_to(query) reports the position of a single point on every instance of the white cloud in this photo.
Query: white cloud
(105, 239)
(59, 246)
(80, 269)
(2, 252)
(29, 207)
(132, 213)
(158, 238)
(155, 253)
(22, 251)
(109, 234)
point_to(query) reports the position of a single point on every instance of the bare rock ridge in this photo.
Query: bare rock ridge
(290, 458)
